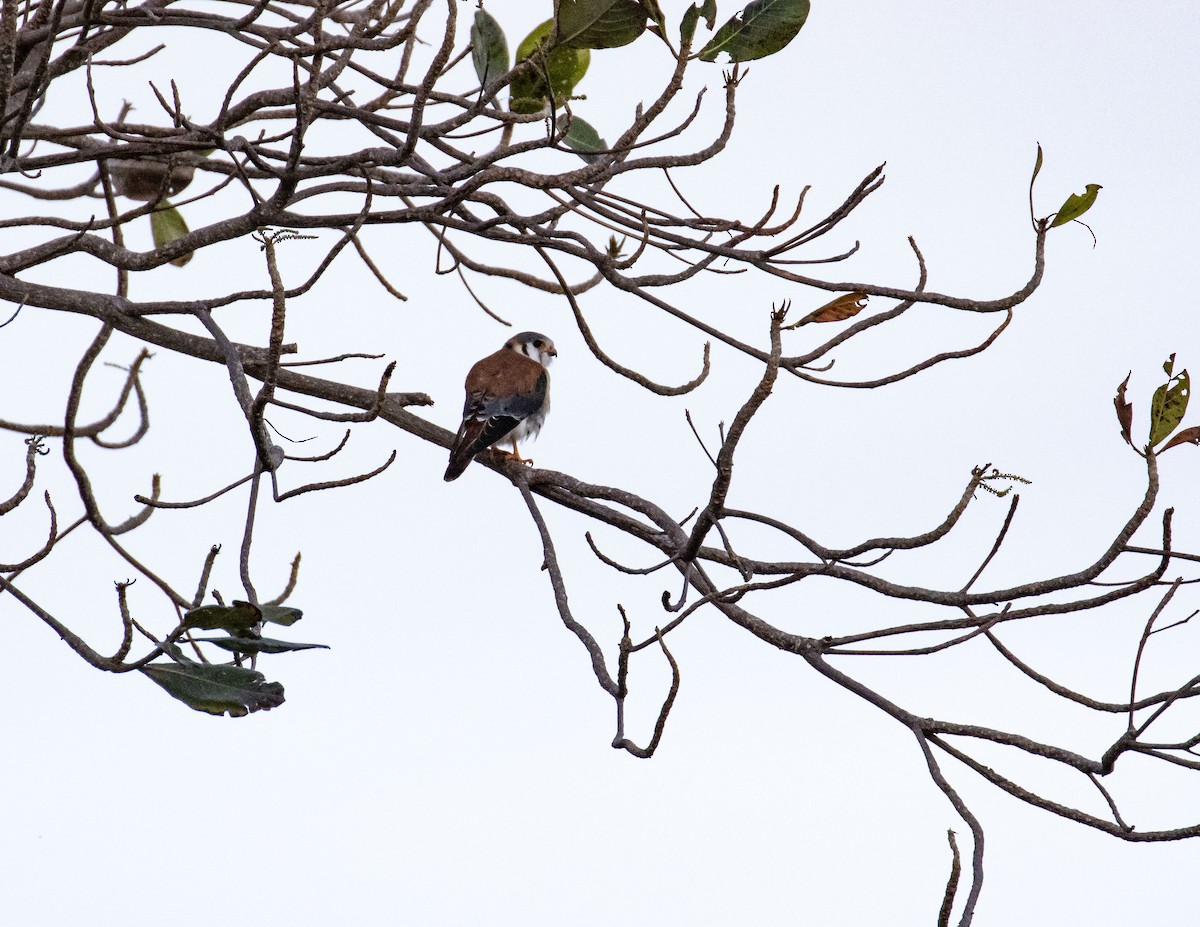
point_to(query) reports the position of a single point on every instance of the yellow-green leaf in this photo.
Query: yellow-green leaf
(563, 67)
(1168, 406)
(167, 225)
(240, 616)
(1076, 205)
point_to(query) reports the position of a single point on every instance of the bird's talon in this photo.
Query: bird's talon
(514, 458)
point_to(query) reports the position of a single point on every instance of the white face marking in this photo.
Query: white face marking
(542, 355)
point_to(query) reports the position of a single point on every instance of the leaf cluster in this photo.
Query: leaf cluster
(228, 688)
(1168, 406)
(553, 58)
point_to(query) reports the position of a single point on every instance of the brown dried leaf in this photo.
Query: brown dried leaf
(1124, 410)
(1187, 436)
(844, 307)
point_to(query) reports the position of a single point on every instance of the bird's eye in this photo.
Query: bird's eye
(539, 343)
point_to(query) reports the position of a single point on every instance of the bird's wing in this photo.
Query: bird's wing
(515, 406)
(505, 384)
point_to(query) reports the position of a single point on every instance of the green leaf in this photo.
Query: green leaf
(656, 14)
(1037, 168)
(581, 138)
(240, 616)
(564, 66)
(258, 644)
(167, 225)
(217, 689)
(1168, 406)
(599, 23)
(761, 29)
(281, 614)
(687, 26)
(1076, 205)
(489, 48)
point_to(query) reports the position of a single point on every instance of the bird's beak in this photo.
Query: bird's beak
(552, 352)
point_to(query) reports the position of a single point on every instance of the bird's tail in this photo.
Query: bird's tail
(458, 463)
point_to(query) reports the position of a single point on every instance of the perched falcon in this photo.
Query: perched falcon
(508, 396)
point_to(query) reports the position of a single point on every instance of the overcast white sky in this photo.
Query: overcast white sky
(448, 761)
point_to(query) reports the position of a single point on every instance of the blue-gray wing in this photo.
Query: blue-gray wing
(515, 405)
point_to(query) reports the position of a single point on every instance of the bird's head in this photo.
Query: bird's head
(533, 345)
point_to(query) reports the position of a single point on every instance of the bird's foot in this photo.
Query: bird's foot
(514, 458)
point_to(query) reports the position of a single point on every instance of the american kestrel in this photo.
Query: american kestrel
(508, 396)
